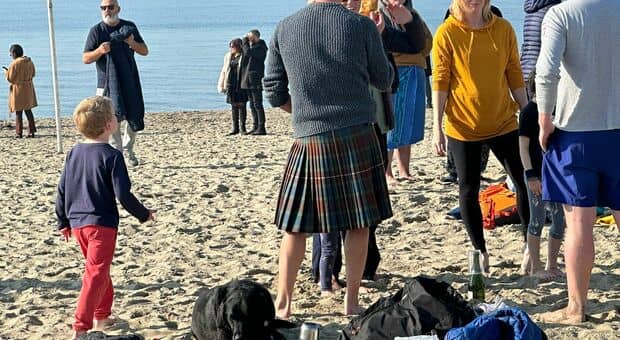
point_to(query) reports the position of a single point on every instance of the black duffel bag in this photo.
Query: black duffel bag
(423, 306)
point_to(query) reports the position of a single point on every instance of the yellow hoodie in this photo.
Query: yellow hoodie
(477, 68)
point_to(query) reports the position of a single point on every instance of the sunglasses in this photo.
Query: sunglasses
(109, 7)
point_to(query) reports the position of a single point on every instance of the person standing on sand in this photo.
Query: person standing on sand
(230, 83)
(532, 159)
(476, 69)
(577, 74)
(112, 44)
(95, 176)
(22, 97)
(253, 71)
(409, 102)
(334, 177)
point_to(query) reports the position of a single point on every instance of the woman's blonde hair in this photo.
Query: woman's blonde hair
(456, 11)
(92, 114)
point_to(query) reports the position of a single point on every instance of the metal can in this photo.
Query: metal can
(309, 331)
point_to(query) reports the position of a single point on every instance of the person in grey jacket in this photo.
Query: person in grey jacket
(321, 63)
(577, 74)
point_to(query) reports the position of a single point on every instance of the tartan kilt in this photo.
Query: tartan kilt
(334, 181)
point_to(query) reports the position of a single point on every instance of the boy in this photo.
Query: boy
(94, 174)
(532, 159)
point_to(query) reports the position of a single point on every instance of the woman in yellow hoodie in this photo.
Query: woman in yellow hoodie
(476, 68)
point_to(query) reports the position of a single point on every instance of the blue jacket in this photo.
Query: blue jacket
(504, 324)
(535, 11)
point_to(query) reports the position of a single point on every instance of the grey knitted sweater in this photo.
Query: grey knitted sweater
(324, 57)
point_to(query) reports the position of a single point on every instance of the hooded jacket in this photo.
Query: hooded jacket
(535, 11)
(477, 68)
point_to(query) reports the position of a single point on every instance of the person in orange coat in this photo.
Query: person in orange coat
(22, 97)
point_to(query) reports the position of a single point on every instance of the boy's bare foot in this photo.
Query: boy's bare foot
(562, 317)
(103, 324)
(77, 334)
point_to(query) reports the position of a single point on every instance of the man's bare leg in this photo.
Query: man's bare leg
(355, 249)
(292, 250)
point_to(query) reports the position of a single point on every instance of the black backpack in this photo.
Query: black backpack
(422, 307)
(239, 310)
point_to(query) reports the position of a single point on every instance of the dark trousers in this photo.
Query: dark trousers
(374, 256)
(19, 123)
(484, 156)
(467, 161)
(326, 258)
(239, 113)
(256, 106)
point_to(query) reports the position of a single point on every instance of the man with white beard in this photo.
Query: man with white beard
(112, 44)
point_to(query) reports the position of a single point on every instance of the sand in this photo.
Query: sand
(216, 197)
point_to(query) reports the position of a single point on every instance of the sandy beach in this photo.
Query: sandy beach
(216, 197)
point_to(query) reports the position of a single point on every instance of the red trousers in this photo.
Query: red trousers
(97, 294)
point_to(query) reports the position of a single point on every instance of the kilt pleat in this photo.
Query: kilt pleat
(334, 181)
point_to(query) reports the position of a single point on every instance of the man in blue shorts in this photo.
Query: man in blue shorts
(578, 75)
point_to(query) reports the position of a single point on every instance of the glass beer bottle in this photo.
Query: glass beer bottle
(475, 288)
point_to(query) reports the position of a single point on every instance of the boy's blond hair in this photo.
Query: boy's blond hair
(92, 114)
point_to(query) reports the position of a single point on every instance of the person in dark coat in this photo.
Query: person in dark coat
(252, 73)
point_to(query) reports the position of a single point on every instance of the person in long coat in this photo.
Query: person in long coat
(22, 97)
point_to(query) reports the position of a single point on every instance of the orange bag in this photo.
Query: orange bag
(498, 205)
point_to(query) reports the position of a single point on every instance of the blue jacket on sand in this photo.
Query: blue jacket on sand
(504, 324)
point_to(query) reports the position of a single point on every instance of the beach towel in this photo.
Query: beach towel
(504, 324)
(423, 306)
(123, 81)
(239, 309)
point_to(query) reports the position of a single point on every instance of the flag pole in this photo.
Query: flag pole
(50, 16)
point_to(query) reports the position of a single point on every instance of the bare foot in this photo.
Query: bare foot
(327, 293)
(526, 265)
(353, 310)
(407, 177)
(103, 324)
(542, 275)
(391, 181)
(283, 310)
(556, 273)
(77, 334)
(337, 284)
(562, 317)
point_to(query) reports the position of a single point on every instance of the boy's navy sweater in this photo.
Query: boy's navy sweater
(94, 175)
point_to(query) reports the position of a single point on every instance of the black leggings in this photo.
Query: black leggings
(467, 162)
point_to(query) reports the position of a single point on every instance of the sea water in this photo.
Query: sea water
(187, 40)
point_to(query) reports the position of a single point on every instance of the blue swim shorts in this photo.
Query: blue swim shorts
(582, 169)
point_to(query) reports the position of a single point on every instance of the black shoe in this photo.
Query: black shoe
(251, 132)
(233, 132)
(259, 132)
(449, 179)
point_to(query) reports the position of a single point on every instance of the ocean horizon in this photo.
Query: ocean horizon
(187, 42)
